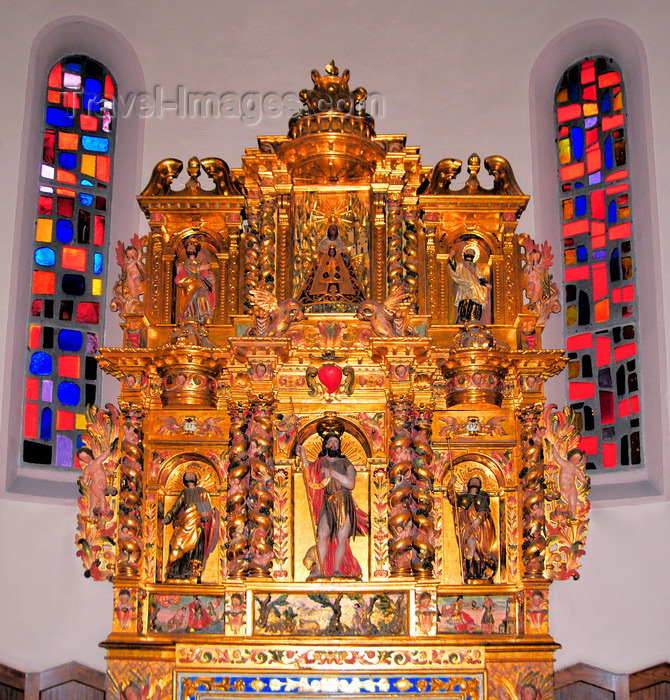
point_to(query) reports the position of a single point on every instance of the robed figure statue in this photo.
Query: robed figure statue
(195, 533)
(330, 481)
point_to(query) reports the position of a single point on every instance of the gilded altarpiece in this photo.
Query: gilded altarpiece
(332, 470)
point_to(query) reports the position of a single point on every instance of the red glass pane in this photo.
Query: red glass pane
(572, 172)
(56, 77)
(600, 285)
(30, 412)
(609, 455)
(620, 231)
(589, 445)
(99, 229)
(624, 408)
(49, 146)
(109, 88)
(593, 158)
(88, 122)
(65, 420)
(32, 388)
(102, 168)
(579, 391)
(574, 274)
(607, 79)
(45, 205)
(35, 337)
(582, 341)
(69, 366)
(88, 312)
(603, 350)
(65, 207)
(74, 258)
(44, 282)
(569, 112)
(598, 204)
(576, 227)
(623, 352)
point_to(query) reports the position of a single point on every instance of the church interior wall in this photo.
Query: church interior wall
(456, 78)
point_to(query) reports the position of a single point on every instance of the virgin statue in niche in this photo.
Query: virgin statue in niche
(332, 278)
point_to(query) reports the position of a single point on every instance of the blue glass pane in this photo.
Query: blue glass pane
(80, 442)
(70, 341)
(45, 424)
(59, 117)
(41, 364)
(92, 93)
(578, 185)
(64, 231)
(69, 393)
(577, 136)
(86, 200)
(599, 254)
(611, 212)
(606, 102)
(45, 256)
(98, 144)
(88, 183)
(582, 253)
(98, 259)
(74, 284)
(67, 160)
(580, 205)
(590, 122)
(73, 66)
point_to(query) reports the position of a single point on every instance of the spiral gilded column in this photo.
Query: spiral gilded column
(261, 487)
(394, 266)
(401, 520)
(423, 540)
(411, 256)
(238, 493)
(252, 256)
(268, 245)
(532, 481)
(130, 495)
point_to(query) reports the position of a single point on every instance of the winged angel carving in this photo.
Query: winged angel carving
(272, 319)
(389, 319)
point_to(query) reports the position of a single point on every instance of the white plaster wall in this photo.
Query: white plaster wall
(454, 76)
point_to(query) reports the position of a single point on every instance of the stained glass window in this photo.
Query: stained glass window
(69, 259)
(599, 262)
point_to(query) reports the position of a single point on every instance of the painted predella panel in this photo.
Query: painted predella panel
(332, 470)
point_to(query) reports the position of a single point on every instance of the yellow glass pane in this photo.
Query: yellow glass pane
(618, 101)
(570, 257)
(602, 310)
(568, 209)
(574, 368)
(627, 267)
(562, 95)
(88, 165)
(564, 154)
(44, 230)
(96, 286)
(590, 109)
(624, 212)
(80, 421)
(571, 315)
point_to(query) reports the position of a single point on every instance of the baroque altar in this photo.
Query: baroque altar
(332, 470)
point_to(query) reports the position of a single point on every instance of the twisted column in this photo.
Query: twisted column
(261, 487)
(238, 491)
(252, 254)
(423, 540)
(401, 521)
(411, 256)
(532, 481)
(395, 269)
(267, 240)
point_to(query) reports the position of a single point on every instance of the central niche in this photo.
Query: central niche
(331, 250)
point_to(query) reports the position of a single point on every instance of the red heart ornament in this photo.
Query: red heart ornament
(330, 376)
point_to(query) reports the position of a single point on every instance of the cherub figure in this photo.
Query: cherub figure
(542, 292)
(133, 270)
(571, 474)
(94, 477)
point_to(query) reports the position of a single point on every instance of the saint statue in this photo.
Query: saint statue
(476, 531)
(472, 285)
(195, 533)
(330, 481)
(333, 276)
(195, 283)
